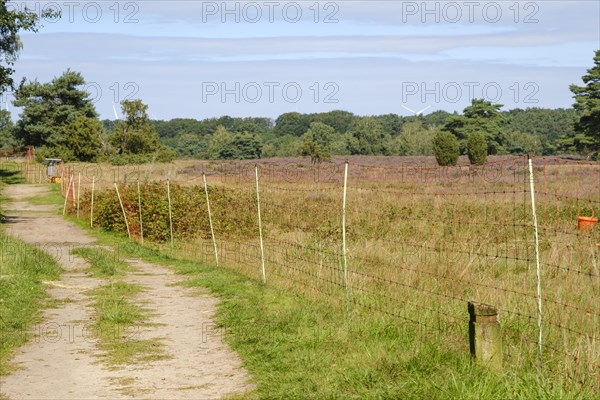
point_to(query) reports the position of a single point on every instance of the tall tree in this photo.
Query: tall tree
(135, 134)
(313, 150)
(586, 138)
(338, 119)
(317, 142)
(367, 138)
(436, 118)
(187, 144)
(320, 133)
(220, 144)
(245, 146)
(229, 146)
(291, 123)
(537, 130)
(11, 23)
(7, 139)
(414, 140)
(484, 117)
(84, 138)
(49, 107)
(391, 123)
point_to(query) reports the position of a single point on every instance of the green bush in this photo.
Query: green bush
(162, 154)
(165, 154)
(446, 148)
(124, 159)
(234, 212)
(477, 148)
(61, 152)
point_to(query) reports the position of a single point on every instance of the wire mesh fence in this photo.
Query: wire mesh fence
(414, 242)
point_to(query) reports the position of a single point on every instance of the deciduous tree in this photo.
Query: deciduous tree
(135, 134)
(368, 137)
(11, 23)
(292, 123)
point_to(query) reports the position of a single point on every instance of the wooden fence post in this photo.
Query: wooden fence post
(485, 335)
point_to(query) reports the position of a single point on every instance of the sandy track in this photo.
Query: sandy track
(62, 362)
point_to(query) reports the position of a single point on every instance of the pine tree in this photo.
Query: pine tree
(586, 138)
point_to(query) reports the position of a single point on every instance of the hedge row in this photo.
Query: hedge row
(233, 211)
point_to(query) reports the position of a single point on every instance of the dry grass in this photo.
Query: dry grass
(422, 241)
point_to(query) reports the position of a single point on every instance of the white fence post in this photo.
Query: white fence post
(92, 203)
(67, 194)
(140, 212)
(344, 248)
(78, 191)
(212, 232)
(262, 250)
(170, 212)
(537, 265)
(123, 209)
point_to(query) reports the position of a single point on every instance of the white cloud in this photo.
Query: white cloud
(373, 49)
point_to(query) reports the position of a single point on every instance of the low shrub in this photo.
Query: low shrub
(446, 148)
(234, 212)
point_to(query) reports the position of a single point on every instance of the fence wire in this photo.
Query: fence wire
(422, 241)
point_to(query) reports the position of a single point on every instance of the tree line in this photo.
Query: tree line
(321, 135)
(59, 118)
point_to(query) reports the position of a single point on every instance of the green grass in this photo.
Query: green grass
(296, 347)
(118, 317)
(23, 268)
(22, 292)
(10, 173)
(103, 263)
(54, 197)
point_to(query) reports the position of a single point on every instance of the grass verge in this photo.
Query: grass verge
(9, 174)
(22, 292)
(54, 197)
(118, 320)
(103, 263)
(296, 347)
(118, 316)
(23, 269)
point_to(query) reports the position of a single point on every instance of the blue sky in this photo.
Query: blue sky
(202, 59)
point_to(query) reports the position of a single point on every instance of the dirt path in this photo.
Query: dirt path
(62, 363)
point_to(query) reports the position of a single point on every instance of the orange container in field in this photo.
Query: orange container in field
(586, 223)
